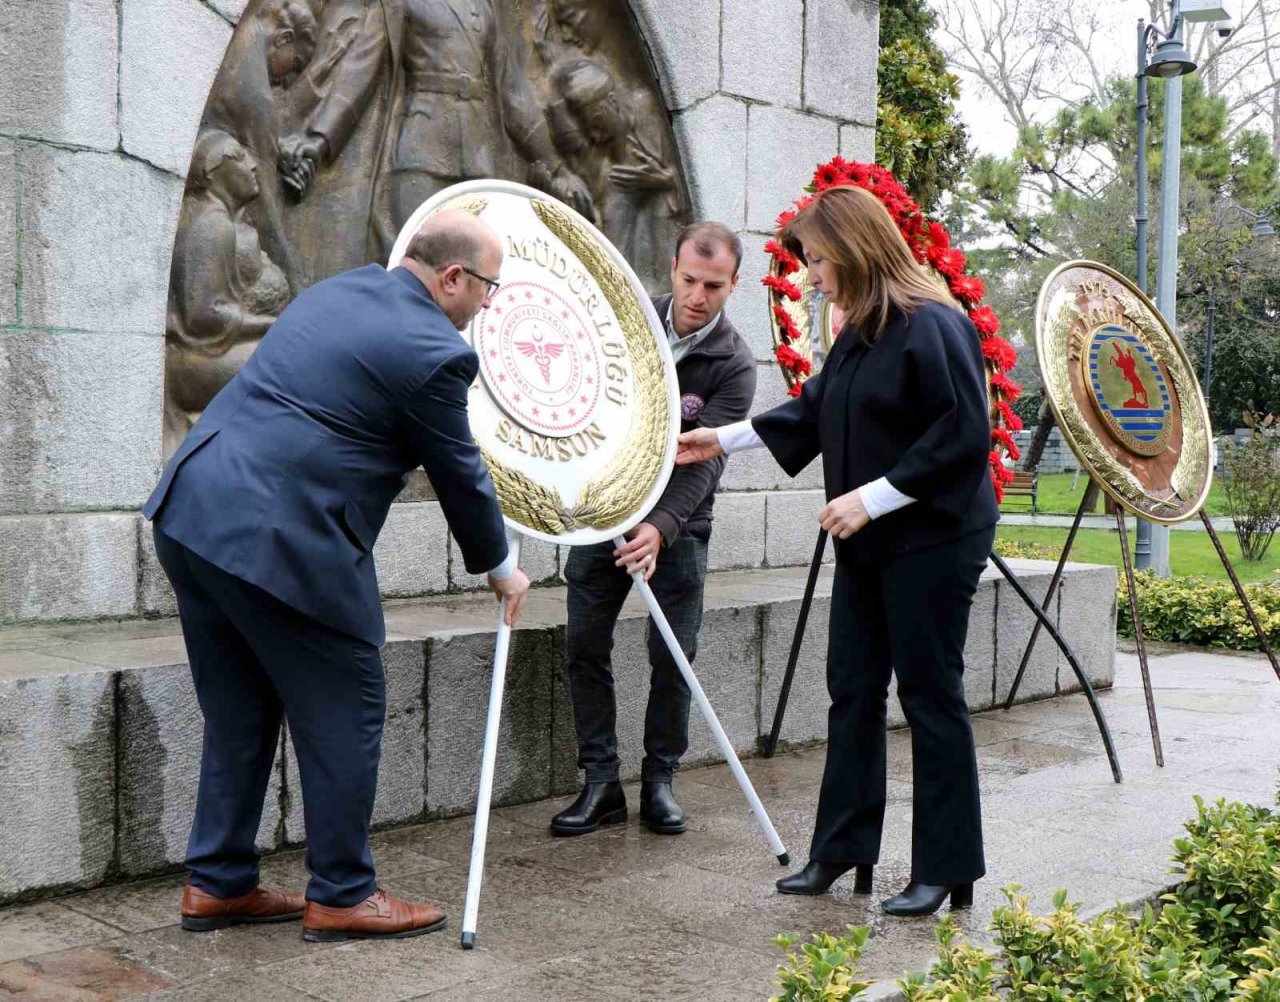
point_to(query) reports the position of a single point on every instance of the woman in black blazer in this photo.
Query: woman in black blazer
(899, 416)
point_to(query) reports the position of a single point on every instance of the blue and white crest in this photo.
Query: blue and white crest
(1129, 389)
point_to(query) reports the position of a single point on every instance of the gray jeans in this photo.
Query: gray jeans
(597, 590)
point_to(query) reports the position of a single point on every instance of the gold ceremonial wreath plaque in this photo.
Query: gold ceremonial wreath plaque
(576, 407)
(816, 318)
(1123, 392)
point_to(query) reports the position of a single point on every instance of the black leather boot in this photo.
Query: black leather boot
(818, 876)
(658, 808)
(598, 804)
(925, 899)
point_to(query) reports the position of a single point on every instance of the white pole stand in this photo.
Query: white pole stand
(480, 831)
(709, 715)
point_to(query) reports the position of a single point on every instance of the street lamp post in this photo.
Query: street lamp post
(1171, 62)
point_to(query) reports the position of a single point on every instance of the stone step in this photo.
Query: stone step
(100, 732)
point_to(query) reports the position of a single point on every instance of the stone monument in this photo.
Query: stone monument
(173, 172)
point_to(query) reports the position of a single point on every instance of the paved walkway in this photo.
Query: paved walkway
(1220, 524)
(623, 914)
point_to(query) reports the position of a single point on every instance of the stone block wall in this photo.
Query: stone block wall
(1057, 456)
(101, 103)
(100, 734)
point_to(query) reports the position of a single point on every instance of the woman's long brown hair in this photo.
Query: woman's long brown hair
(875, 268)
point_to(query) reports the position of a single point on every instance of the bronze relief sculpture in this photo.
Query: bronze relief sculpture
(348, 114)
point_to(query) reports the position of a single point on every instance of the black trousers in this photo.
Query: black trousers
(256, 661)
(909, 617)
(597, 590)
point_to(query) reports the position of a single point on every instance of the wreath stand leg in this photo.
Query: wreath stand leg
(1085, 500)
(802, 620)
(708, 714)
(1240, 592)
(1139, 637)
(480, 829)
(1083, 679)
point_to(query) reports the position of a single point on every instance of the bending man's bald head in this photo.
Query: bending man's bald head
(453, 236)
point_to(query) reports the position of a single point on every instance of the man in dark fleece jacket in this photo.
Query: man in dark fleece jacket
(717, 376)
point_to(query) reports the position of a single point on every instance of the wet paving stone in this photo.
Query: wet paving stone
(84, 973)
(26, 930)
(623, 913)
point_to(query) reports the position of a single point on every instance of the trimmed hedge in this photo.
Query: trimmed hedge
(1200, 612)
(1214, 938)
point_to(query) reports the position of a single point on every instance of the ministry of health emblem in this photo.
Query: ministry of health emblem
(576, 409)
(539, 358)
(1123, 392)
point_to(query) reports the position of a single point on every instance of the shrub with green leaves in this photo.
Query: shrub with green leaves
(1251, 485)
(1200, 612)
(1016, 549)
(1230, 859)
(1215, 938)
(963, 973)
(825, 969)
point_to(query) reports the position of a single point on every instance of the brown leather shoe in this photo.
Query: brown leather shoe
(376, 917)
(202, 912)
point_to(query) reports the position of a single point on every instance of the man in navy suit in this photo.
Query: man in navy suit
(265, 522)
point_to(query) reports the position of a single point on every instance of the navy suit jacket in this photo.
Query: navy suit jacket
(287, 478)
(911, 408)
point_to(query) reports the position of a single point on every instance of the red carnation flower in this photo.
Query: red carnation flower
(792, 360)
(787, 262)
(1007, 415)
(826, 176)
(1001, 352)
(984, 318)
(1005, 438)
(789, 330)
(968, 288)
(947, 261)
(939, 236)
(782, 286)
(1003, 384)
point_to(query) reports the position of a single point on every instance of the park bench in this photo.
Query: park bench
(1023, 485)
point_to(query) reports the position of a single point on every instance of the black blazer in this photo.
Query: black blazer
(911, 408)
(287, 478)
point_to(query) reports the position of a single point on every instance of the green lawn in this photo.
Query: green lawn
(1190, 553)
(1056, 497)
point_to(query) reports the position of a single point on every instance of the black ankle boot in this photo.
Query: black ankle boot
(925, 899)
(598, 804)
(818, 876)
(659, 811)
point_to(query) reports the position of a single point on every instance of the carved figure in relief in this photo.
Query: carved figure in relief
(459, 94)
(275, 41)
(628, 160)
(224, 290)
(349, 113)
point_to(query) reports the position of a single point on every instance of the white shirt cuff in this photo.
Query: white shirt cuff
(739, 436)
(505, 569)
(880, 497)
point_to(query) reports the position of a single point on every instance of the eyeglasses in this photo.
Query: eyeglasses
(490, 282)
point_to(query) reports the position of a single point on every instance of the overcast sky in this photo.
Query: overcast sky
(1116, 51)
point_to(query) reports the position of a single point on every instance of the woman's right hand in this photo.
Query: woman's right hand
(698, 446)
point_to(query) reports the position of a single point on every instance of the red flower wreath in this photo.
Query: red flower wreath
(931, 245)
